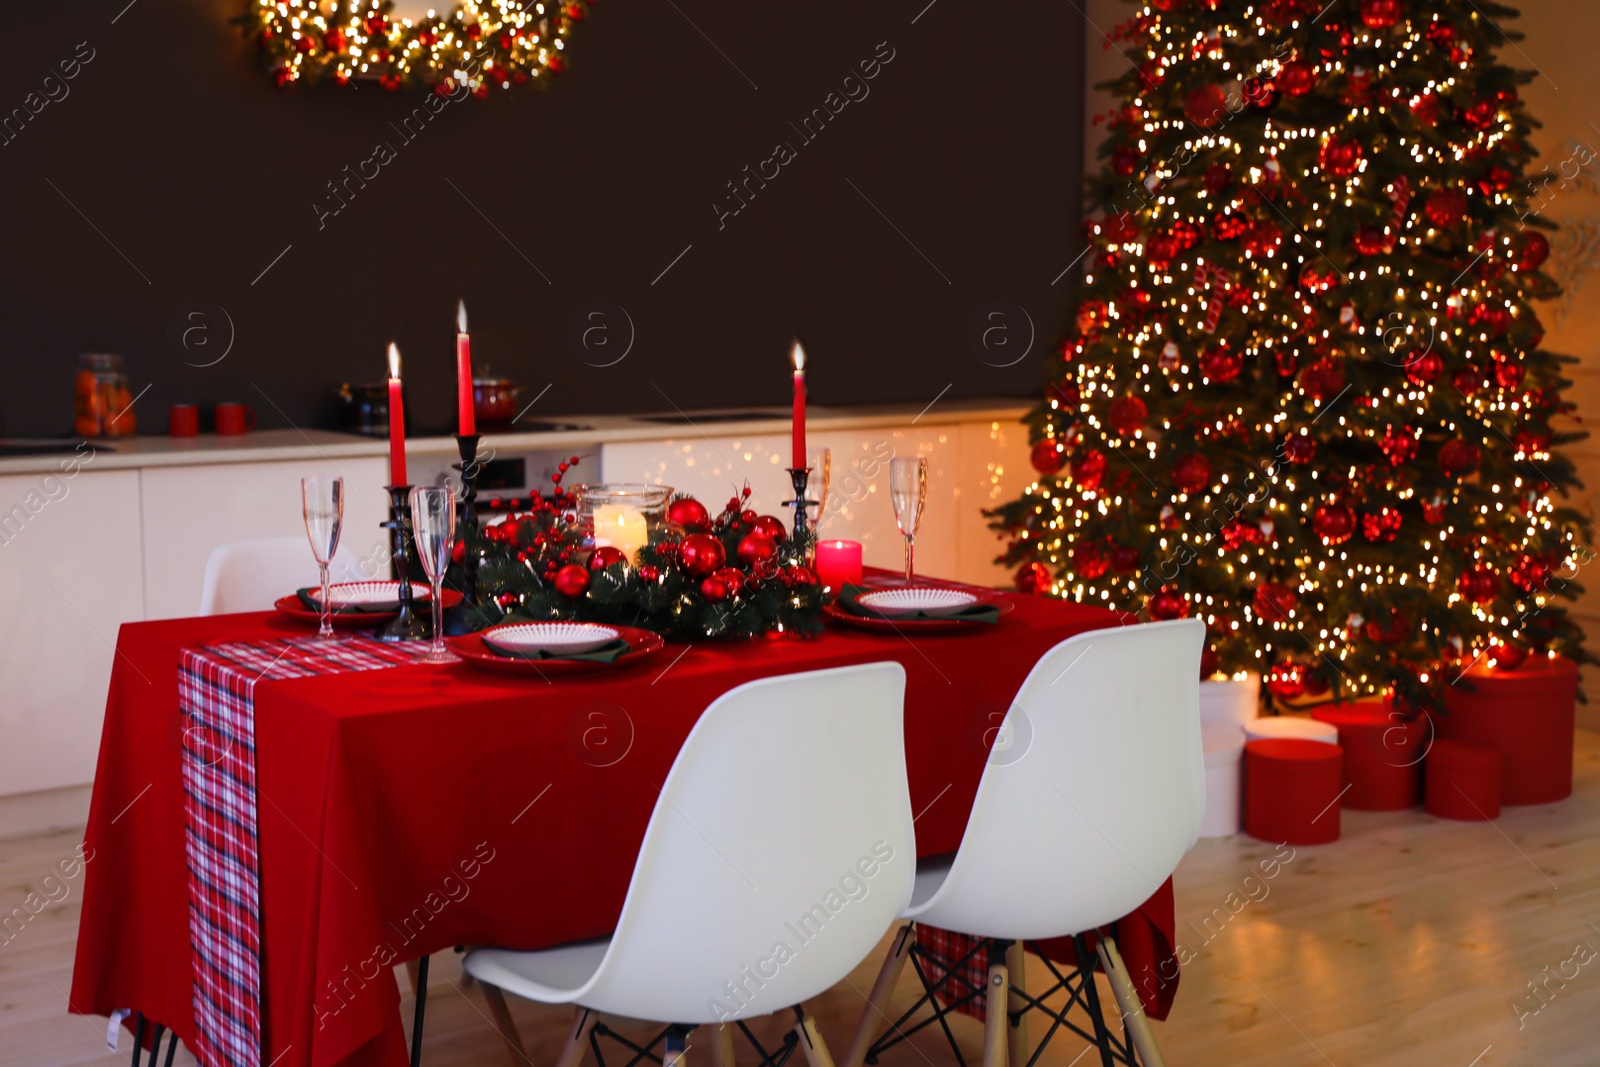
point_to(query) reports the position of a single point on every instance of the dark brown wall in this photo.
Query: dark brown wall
(173, 173)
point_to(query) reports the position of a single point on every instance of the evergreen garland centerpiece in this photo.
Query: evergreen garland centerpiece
(1307, 398)
(692, 575)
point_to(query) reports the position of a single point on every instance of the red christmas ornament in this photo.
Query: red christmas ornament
(688, 513)
(1048, 457)
(1261, 94)
(1424, 367)
(1217, 177)
(757, 550)
(605, 556)
(1033, 578)
(1264, 239)
(1392, 631)
(1126, 416)
(1323, 379)
(1494, 318)
(1191, 472)
(1286, 680)
(1468, 381)
(732, 578)
(700, 554)
(649, 575)
(1124, 559)
(1168, 604)
(1297, 77)
(1334, 524)
(1534, 251)
(1067, 394)
(1460, 458)
(1317, 277)
(1529, 574)
(1160, 250)
(1210, 662)
(1089, 468)
(1480, 584)
(771, 527)
(1206, 106)
(1425, 109)
(713, 590)
(1125, 160)
(1398, 446)
(1230, 226)
(1507, 655)
(1481, 116)
(1433, 511)
(1441, 34)
(1445, 208)
(797, 574)
(1381, 526)
(1380, 14)
(1274, 601)
(1221, 365)
(572, 581)
(1373, 241)
(1340, 157)
(1088, 560)
(1299, 448)
(1508, 375)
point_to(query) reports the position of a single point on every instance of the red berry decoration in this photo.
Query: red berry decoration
(1274, 601)
(1380, 14)
(1033, 578)
(1460, 458)
(770, 526)
(688, 513)
(1168, 604)
(1221, 365)
(1381, 526)
(1480, 584)
(1048, 457)
(700, 554)
(1191, 472)
(1341, 157)
(1089, 469)
(1534, 251)
(1334, 524)
(605, 556)
(757, 550)
(1445, 208)
(1297, 77)
(572, 581)
(1126, 416)
(1206, 106)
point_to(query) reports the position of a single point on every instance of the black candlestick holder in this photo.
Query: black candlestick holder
(407, 625)
(803, 530)
(467, 616)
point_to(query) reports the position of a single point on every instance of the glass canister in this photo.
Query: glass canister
(622, 516)
(103, 403)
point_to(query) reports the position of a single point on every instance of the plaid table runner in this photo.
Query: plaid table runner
(216, 693)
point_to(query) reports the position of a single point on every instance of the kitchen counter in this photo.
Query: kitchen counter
(575, 433)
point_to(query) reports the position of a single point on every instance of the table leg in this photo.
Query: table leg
(422, 1007)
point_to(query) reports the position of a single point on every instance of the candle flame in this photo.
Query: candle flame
(797, 356)
(461, 316)
(394, 360)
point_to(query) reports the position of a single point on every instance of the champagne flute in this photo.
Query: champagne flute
(322, 504)
(821, 463)
(908, 492)
(433, 521)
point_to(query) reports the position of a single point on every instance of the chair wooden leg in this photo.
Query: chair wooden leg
(721, 1045)
(577, 1044)
(1139, 1030)
(997, 999)
(503, 1022)
(874, 1017)
(1016, 968)
(811, 1043)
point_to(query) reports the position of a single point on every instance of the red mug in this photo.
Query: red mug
(235, 419)
(183, 420)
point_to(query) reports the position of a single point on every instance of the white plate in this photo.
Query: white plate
(351, 594)
(566, 638)
(928, 601)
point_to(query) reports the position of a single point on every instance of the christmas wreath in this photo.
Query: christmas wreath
(738, 574)
(480, 44)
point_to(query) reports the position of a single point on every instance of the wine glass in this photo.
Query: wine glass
(322, 504)
(821, 463)
(908, 492)
(433, 521)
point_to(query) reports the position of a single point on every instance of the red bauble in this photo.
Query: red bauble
(713, 590)
(1507, 655)
(605, 556)
(1274, 601)
(1286, 680)
(1067, 394)
(1033, 578)
(797, 574)
(1480, 584)
(1221, 365)
(757, 550)
(1264, 239)
(1433, 511)
(1168, 604)
(1191, 472)
(1126, 416)
(1210, 662)
(1125, 160)
(1480, 116)
(1124, 559)
(1297, 77)
(572, 581)
(1089, 468)
(1381, 526)
(1380, 14)
(732, 578)
(648, 574)
(1460, 458)
(1261, 94)
(1340, 157)
(700, 554)
(1187, 234)
(1048, 457)
(1398, 446)
(1323, 379)
(1534, 251)
(1468, 381)
(1334, 524)
(1531, 442)
(1160, 250)
(1445, 207)
(1088, 561)
(1441, 34)
(1299, 448)
(1508, 375)
(1206, 106)
(1424, 367)
(1217, 177)
(1529, 574)
(1317, 277)
(1393, 629)
(688, 513)
(1230, 226)
(1373, 241)
(771, 527)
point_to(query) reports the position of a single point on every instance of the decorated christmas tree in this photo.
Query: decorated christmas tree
(1305, 397)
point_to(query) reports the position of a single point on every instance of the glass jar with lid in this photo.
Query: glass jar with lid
(103, 403)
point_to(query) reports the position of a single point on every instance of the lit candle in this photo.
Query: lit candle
(797, 356)
(468, 419)
(839, 563)
(620, 526)
(397, 421)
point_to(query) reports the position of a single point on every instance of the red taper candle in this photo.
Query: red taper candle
(797, 356)
(397, 421)
(464, 404)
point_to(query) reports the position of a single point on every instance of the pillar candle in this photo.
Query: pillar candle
(839, 563)
(397, 422)
(797, 356)
(464, 403)
(622, 527)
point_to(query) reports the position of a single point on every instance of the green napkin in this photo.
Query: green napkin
(606, 653)
(978, 612)
(311, 598)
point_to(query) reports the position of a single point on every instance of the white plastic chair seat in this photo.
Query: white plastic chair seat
(931, 874)
(1292, 727)
(551, 976)
(250, 575)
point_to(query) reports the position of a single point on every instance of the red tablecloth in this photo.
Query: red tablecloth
(408, 810)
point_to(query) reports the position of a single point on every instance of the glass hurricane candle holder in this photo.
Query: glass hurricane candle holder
(621, 516)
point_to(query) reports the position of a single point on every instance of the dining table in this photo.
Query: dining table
(276, 822)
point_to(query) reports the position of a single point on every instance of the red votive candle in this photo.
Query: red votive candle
(839, 563)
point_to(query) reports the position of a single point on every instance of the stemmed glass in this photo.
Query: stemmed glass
(433, 520)
(821, 464)
(908, 492)
(322, 504)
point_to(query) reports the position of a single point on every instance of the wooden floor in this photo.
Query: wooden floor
(1410, 941)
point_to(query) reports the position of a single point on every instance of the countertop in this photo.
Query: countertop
(577, 432)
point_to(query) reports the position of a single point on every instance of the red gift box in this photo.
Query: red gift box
(1529, 714)
(1291, 791)
(1383, 753)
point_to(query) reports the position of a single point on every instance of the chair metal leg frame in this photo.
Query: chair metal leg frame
(422, 1007)
(1081, 992)
(155, 1043)
(898, 1032)
(645, 1052)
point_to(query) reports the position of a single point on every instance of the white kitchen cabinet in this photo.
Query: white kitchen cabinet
(70, 566)
(188, 511)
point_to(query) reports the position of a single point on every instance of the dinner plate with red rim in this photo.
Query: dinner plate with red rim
(921, 626)
(928, 599)
(475, 651)
(295, 608)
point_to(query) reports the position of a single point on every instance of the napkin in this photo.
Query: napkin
(976, 612)
(606, 653)
(312, 599)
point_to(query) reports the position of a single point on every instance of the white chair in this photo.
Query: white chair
(779, 851)
(251, 575)
(1100, 793)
